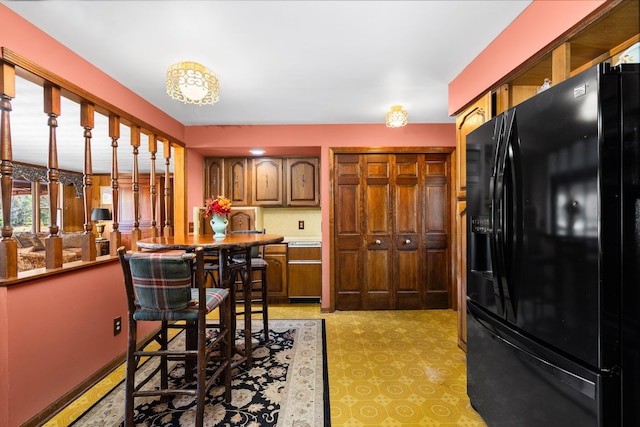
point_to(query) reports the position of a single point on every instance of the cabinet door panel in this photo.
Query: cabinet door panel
(407, 263)
(237, 181)
(267, 182)
(436, 233)
(303, 181)
(213, 177)
(378, 282)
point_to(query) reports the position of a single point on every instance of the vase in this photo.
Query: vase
(219, 226)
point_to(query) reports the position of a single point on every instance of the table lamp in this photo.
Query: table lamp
(100, 214)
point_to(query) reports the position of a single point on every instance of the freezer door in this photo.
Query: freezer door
(512, 381)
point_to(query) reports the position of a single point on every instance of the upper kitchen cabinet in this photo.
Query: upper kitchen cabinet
(264, 181)
(213, 177)
(267, 182)
(237, 180)
(303, 181)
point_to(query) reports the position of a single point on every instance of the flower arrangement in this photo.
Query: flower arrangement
(218, 206)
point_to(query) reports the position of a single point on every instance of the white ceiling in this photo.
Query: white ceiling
(283, 62)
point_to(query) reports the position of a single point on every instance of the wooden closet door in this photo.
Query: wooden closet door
(408, 260)
(348, 246)
(379, 212)
(436, 291)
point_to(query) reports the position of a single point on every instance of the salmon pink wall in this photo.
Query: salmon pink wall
(537, 26)
(60, 332)
(206, 139)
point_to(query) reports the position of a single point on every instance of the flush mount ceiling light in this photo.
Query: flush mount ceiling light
(257, 151)
(397, 117)
(192, 83)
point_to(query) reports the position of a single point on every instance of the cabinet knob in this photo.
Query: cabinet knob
(378, 242)
(407, 242)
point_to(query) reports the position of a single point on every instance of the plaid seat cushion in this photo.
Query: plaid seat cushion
(213, 296)
(162, 280)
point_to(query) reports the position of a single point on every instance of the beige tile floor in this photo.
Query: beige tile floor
(386, 368)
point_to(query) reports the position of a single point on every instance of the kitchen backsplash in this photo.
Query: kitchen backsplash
(285, 221)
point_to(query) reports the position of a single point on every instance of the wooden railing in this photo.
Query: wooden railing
(10, 63)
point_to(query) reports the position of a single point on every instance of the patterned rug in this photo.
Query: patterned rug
(287, 386)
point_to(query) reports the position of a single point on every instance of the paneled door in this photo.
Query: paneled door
(391, 231)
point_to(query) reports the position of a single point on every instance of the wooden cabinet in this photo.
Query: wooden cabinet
(276, 257)
(213, 177)
(264, 181)
(303, 181)
(237, 181)
(475, 115)
(267, 182)
(603, 36)
(305, 272)
(391, 233)
(242, 219)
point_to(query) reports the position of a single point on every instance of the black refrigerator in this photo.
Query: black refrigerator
(553, 256)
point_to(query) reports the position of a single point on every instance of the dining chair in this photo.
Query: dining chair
(258, 288)
(163, 286)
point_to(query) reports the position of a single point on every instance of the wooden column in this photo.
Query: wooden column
(88, 238)
(53, 242)
(168, 229)
(153, 149)
(8, 246)
(115, 238)
(136, 233)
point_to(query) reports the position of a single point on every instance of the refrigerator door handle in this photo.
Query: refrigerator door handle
(497, 209)
(511, 216)
(494, 241)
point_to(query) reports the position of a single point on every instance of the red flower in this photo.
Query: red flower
(218, 206)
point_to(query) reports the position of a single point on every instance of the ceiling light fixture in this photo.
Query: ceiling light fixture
(257, 151)
(397, 117)
(192, 83)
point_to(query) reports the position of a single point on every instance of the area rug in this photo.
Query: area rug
(287, 386)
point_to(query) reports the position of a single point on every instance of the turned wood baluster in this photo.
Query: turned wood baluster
(115, 238)
(88, 238)
(53, 242)
(8, 246)
(153, 149)
(168, 229)
(136, 233)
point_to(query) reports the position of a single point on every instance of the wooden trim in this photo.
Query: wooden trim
(390, 150)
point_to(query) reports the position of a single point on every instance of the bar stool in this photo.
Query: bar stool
(159, 288)
(258, 289)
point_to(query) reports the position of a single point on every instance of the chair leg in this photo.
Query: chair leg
(226, 346)
(130, 374)
(164, 366)
(202, 372)
(265, 305)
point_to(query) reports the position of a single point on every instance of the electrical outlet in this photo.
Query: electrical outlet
(300, 225)
(117, 325)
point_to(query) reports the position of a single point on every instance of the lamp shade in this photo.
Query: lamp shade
(100, 214)
(192, 83)
(397, 117)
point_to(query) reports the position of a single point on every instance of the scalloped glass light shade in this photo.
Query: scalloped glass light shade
(397, 117)
(192, 83)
